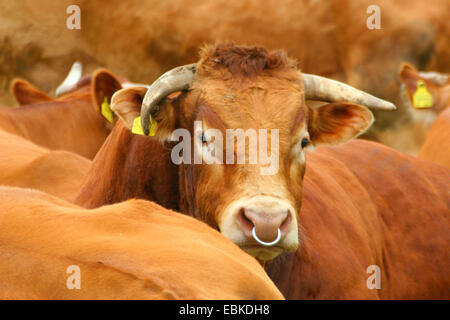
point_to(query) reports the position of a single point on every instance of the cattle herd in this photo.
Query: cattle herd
(245, 164)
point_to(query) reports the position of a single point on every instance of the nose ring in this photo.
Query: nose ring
(268, 244)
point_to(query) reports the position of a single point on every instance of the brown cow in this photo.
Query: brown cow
(131, 250)
(250, 87)
(436, 146)
(69, 122)
(352, 216)
(235, 87)
(24, 164)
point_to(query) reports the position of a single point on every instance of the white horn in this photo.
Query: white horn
(323, 89)
(71, 80)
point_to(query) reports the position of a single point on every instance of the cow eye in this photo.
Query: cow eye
(203, 138)
(305, 142)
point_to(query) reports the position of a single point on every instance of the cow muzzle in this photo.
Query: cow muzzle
(264, 226)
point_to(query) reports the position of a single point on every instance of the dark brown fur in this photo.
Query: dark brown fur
(245, 61)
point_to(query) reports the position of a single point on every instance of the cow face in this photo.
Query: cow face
(257, 96)
(436, 85)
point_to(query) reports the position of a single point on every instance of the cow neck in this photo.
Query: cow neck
(57, 124)
(130, 166)
(47, 112)
(187, 192)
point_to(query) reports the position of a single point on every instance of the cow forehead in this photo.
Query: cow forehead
(262, 103)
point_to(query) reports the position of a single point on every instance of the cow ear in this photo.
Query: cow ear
(338, 122)
(104, 85)
(126, 104)
(409, 76)
(422, 89)
(25, 93)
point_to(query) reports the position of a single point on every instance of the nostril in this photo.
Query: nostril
(246, 223)
(286, 222)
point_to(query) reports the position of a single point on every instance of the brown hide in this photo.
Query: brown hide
(140, 167)
(24, 164)
(363, 204)
(437, 145)
(69, 124)
(131, 250)
(357, 224)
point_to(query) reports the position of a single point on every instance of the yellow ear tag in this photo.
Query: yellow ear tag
(137, 128)
(106, 111)
(422, 98)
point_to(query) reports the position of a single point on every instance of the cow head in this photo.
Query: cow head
(261, 95)
(416, 83)
(101, 85)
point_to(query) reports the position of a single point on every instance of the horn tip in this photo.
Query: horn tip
(383, 105)
(390, 106)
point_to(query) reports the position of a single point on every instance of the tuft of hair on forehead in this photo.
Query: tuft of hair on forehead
(244, 61)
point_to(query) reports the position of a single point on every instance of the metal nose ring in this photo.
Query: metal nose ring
(268, 244)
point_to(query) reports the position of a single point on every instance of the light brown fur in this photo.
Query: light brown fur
(24, 164)
(70, 122)
(437, 145)
(131, 250)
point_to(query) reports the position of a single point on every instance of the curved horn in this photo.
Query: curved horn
(177, 79)
(437, 78)
(72, 78)
(319, 88)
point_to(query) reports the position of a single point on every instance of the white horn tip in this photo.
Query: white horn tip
(382, 105)
(72, 78)
(389, 106)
